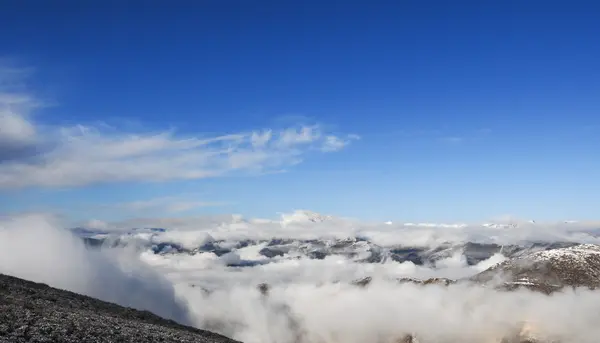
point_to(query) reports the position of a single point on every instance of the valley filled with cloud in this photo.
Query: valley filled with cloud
(314, 278)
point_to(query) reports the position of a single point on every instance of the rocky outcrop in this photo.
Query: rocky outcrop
(34, 312)
(547, 271)
(431, 281)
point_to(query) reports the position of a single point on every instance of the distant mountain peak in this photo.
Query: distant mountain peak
(304, 216)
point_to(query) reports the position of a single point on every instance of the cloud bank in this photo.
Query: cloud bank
(310, 300)
(386, 312)
(34, 247)
(309, 225)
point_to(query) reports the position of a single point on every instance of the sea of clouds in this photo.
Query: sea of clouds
(309, 300)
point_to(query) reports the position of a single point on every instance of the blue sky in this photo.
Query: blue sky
(380, 110)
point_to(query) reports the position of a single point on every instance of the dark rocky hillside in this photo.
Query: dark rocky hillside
(34, 312)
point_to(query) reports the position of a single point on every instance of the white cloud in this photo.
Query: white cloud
(303, 135)
(293, 311)
(384, 311)
(335, 143)
(85, 155)
(15, 129)
(34, 247)
(259, 139)
(82, 154)
(233, 227)
(18, 135)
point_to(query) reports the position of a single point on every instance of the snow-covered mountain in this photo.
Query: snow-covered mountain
(359, 249)
(310, 235)
(303, 216)
(548, 270)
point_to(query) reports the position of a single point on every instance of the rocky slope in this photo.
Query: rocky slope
(33, 312)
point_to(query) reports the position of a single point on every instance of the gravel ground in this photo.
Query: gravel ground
(33, 312)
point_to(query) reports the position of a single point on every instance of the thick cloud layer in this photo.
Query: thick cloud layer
(188, 231)
(385, 312)
(309, 300)
(33, 247)
(312, 300)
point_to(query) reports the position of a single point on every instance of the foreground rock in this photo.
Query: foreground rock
(33, 312)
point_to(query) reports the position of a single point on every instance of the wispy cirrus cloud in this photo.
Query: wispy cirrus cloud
(36, 155)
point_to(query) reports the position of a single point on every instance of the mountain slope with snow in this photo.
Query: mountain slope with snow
(548, 270)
